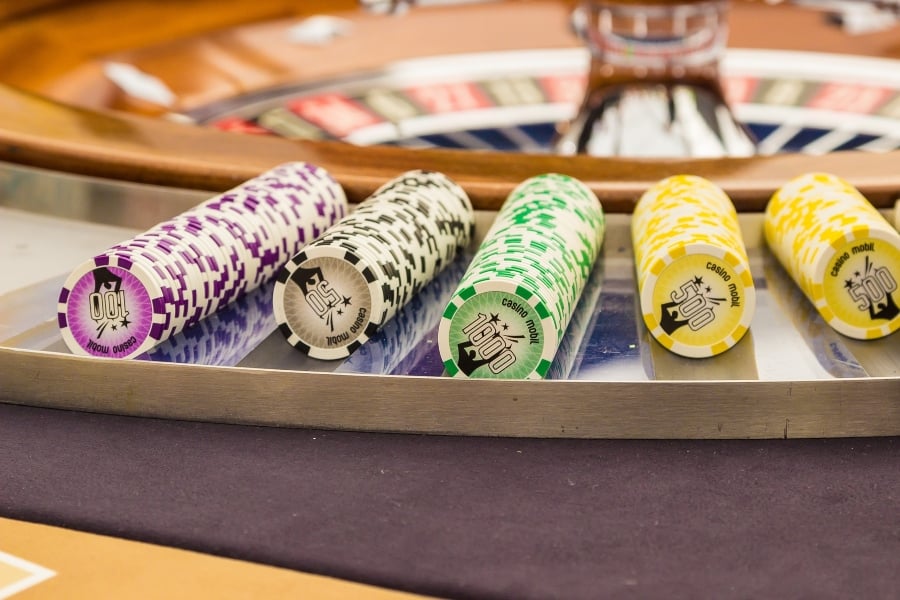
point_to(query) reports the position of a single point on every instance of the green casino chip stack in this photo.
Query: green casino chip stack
(511, 308)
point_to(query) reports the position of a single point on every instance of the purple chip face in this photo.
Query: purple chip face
(110, 312)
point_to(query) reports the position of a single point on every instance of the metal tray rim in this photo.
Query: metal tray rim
(440, 405)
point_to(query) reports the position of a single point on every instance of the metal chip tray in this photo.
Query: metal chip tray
(791, 376)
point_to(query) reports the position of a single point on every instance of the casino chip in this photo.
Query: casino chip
(340, 289)
(513, 304)
(696, 290)
(136, 294)
(841, 252)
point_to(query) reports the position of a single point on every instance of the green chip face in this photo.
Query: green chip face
(498, 335)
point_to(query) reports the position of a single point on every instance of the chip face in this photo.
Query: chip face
(181, 271)
(701, 302)
(860, 286)
(513, 304)
(498, 331)
(339, 290)
(111, 308)
(330, 301)
(693, 273)
(840, 251)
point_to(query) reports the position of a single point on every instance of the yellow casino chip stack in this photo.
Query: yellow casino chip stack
(840, 251)
(696, 289)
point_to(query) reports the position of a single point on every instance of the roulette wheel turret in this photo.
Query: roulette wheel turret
(653, 86)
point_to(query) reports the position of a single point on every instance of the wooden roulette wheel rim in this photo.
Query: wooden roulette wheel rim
(56, 113)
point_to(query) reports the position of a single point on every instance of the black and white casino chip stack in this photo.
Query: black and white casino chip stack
(336, 292)
(136, 294)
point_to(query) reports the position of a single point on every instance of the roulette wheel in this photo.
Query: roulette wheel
(121, 114)
(242, 65)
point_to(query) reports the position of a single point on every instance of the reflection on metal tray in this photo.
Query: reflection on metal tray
(791, 376)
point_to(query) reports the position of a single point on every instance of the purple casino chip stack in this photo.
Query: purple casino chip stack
(142, 291)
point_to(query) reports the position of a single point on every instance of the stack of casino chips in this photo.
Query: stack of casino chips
(335, 294)
(136, 294)
(696, 290)
(222, 339)
(510, 310)
(840, 251)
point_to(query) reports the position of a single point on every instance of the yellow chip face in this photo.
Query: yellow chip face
(860, 287)
(700, 304)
